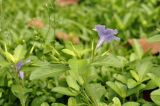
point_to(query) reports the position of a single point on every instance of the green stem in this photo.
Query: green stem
(137, 95)
(123, 100)
(93, 52)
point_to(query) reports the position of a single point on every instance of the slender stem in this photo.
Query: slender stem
(54, 17)
(137, 95)
(49, 21)
(1, 15)
(93, 52)
(123, 100)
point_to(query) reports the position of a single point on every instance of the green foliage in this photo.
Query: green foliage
(155, 95)
(50, 71)
(155, 38)
(60, 73)
(131, 104)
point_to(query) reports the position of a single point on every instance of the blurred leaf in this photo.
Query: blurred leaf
(134, 75)
(80, 70)
(110, 60)
(3, 77)
(143, 69)
(127, 19)
(64, 91)
(137, 49)
(47, 71)
(72, 83)
(155, 79)
(154, 47)
(118, 87)
(119, 21)
(44, 104)
(116, 102)
(135, 89)
(19, 52)
(121, 78)
(72, 102)
(37, 101)
(155, 38)
(131, 104)
(131, 83)
(9, 57)
(155, 96)
(57, 104)
(67, 51)
(20, 92)
(151, 85)
(95, 91)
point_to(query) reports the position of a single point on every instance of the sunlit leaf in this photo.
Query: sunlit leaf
(47, 71)
(155, 96)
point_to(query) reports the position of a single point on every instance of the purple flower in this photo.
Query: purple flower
(19, 65)
(21, 74)
(105, 35)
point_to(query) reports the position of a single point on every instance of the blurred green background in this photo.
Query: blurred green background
(133, 18)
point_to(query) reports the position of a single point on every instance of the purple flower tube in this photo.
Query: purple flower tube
(106, 35)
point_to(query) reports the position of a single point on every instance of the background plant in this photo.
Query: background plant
(62, 73)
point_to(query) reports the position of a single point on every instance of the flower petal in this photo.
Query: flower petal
(100, 42)
(111, 31)
(19, 65)
(111, 38)
(21, 74)
(105, 35)
(100, 29)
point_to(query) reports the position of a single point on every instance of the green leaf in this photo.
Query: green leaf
(9, 57)
(110, 60)
(135, 89)
(44, 104)
(150, 85)
(114, 87)
(119, 21)
(134, 75)
(149, 104)
(147, 9)
(155, 79)
(72, 83)
(20, 92)
(137, 49)
(37, 101)
(143, 68)
(155, 38)
(102, 104)
(132, 57)
(127, 19)
(120, 77)
(123, 89)
(72, 102)
(131, 104)
(67, 51)
(3, 77)
(57, 104)
(47, 71)
(95, 91)
(80, 70)
(155, 96)
(116, 102)
(131, 83)
(118, 87)
(19, 52)
(64, 91)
